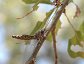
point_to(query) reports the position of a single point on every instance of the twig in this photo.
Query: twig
(54, 43)
(47, 31)
(25, 15)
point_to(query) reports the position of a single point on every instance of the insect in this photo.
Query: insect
(37, 36)
(23, 37)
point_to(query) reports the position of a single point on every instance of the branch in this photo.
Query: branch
(47, 31)
(54, 43)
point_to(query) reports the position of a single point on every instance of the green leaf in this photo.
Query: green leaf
(82, 30)
(72, 53)
(34, 1)
(49, 37)
(80, 35)
(40, 24)
(76, 40)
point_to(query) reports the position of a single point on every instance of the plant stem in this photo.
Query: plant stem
(54, 43)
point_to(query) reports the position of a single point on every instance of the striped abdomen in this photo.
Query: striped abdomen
(23, 37)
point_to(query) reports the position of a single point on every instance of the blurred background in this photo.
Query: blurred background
(13, 51)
